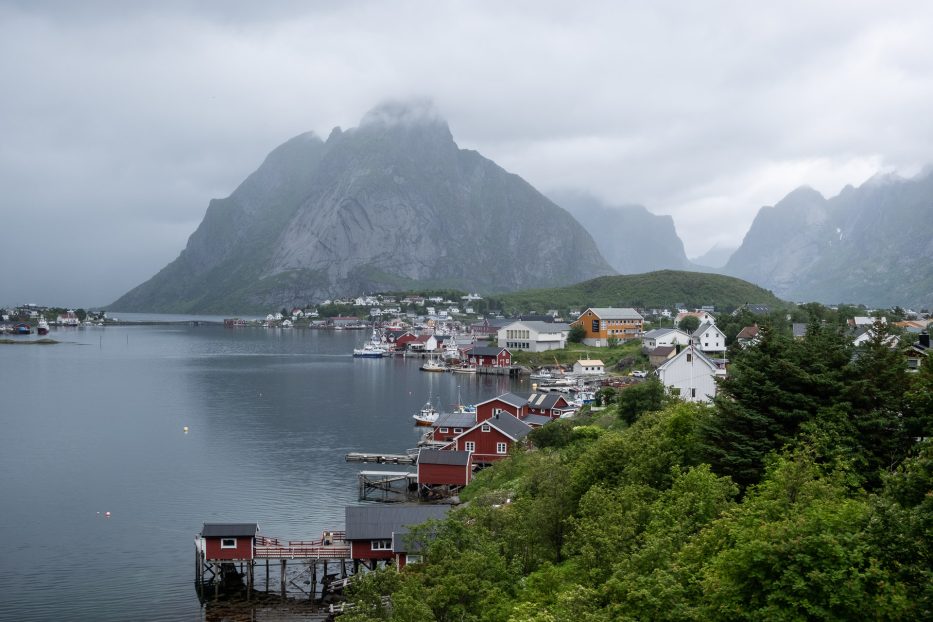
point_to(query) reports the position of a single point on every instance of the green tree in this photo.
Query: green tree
(576, 333)
(640, 398)
(689, 324)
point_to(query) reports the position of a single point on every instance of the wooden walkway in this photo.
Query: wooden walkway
(382, 458)
(334, 547)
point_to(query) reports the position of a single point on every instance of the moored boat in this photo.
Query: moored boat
(369, 351)
(426, 416)
(464, 369)
(42, 327)
(432, 365)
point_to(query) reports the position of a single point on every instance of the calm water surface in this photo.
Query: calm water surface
(95, 424)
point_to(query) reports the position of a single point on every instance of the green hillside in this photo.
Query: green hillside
(651, 289)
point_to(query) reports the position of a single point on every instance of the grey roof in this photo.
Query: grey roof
(692, 350)
(486, 351)
(510, 426)
(369, 522)
(799, 329)
(228, 530)
(443, 456)
(662, 351)
(702, 328)
(455, 420)
(542, 327)
(544, 400)
(660, 332)
(537, 419)
(508, 398)
(613, 313)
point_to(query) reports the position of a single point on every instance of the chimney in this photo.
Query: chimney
(924, 339)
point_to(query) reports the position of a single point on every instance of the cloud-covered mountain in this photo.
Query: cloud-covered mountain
(391, 204)
(632, 239)
(872, 244)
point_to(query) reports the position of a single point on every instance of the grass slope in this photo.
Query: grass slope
(663, 288)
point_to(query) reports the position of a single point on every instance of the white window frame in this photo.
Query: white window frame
(224, 543)
(469, 446)
(458, 430)
(443, 430)
(502, 448)
(381, 545)
(486, 428)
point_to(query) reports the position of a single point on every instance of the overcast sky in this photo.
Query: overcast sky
(119, 121)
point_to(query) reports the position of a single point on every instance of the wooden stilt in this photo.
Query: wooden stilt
(217, 578)
(313, 593)
(267, 575)
(249, 580)
(284, 562)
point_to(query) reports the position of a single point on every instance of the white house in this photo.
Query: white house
(533, 336)
(665, 337)
(703, 316)
(691, 375)
(709, 339)
(589, 366)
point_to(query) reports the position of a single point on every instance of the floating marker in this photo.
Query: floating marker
(107, 514)
(185, 429)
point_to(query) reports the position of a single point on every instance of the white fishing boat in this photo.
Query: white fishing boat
(43, 327)
(464, 369)
(426, 416)
(369, 351)
(433, 365)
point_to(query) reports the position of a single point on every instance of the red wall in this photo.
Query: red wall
(451, 474)
(487, 410)
(363, 549)
(449, 434)
(243, 550)
(485, 444)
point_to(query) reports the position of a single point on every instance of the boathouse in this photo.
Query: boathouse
(507, 402)
(490, 440)
(438, 467)
(371, 529)
(551, 405)
(489, 357)
(449, 425)
(229, 541)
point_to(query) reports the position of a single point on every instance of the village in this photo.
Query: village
(688, 359)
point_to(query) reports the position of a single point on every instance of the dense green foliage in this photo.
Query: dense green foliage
(653, 289)
(802, 493)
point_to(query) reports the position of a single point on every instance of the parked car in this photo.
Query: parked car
(638, 373)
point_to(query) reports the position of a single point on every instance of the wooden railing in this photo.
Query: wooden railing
(331, 545)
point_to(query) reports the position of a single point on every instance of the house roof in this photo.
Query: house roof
(749, 332)
(508, 398)
(799, 329)
(438, 456)
(514, 428)
(486, 351)
(705, 326)
(663, 351)
(545, 400)
(590, 362)
(660, 332)
(691, 350)
(613, 313)
(229, 530)
(455, 420)
(537, 419)
(368, 522)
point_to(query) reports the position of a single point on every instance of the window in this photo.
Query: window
(382, 545)
(501, 448)
(228, 543)
(485, 428)
(693, 392)
(595, 326)
(458, 430)
(689, 358)
(443, 430)
(469, 446)
(412, 559)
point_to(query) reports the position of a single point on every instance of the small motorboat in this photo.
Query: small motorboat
(426, 416)
(42, 327)
(432, 365)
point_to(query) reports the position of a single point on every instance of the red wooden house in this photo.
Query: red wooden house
(403, 341)
(552, 405)
(438, 467)
(229, 541)
(490, 440)
(372, 529)
(489, 357)
(447, 426)
(507, 402)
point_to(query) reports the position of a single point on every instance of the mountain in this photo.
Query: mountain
(654, 289)
(632, 239)
(391, 204)
(715, 258)
(872, 244)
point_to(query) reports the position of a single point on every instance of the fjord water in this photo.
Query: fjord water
(94, 424)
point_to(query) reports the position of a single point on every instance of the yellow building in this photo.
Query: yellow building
(602, 323)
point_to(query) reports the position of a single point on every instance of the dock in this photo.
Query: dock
(388, 485)
(382, 458)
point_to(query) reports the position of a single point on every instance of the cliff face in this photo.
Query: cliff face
(393, 203)
(871, 245)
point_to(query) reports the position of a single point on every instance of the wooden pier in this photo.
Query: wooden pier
(388, 486)
(382, 458)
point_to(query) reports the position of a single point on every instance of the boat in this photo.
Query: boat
(541, 375)
(42, 327)
(23, 329)
(426, 416)
(432, 365)
(369, 351)
(464, 369)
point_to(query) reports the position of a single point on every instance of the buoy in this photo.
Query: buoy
(107, 514)
(185, 429)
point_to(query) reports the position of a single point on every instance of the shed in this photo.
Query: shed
(438, 467)
(228, 541)
(370, 529)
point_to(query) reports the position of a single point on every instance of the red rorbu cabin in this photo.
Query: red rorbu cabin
(552, 405)
(489, 357)
(372, 529)
(229, 541)
(489, 441)
(448, 426)
(507, 403)
(441, 467)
